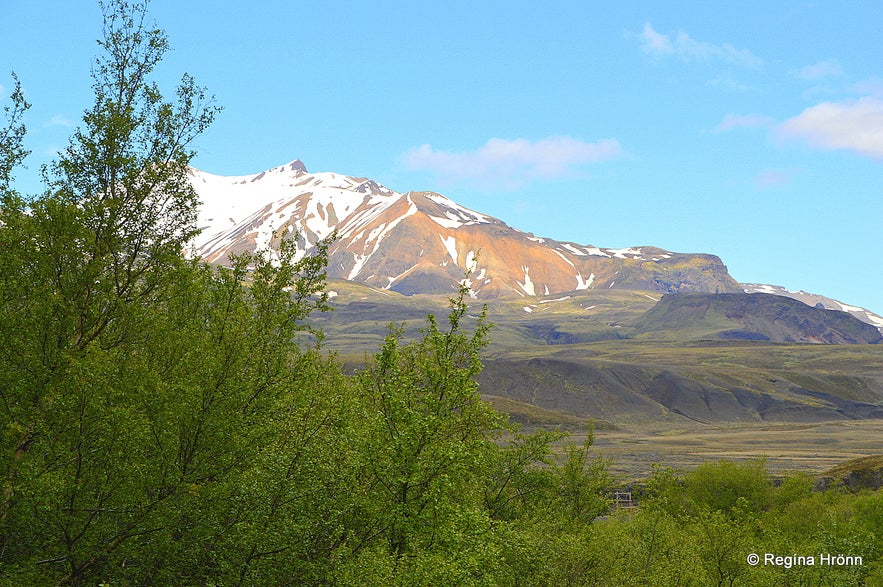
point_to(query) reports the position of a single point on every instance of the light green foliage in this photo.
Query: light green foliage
(646, 548)
(723, 511)
(721, 547)
(546, 508)
(728, 487)
(426, 437)
(519, 476)
(791, 489)
(582, 484)
(158, 419)
(664, 491)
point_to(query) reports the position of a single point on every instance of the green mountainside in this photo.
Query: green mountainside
(757, 316)
(623, 356)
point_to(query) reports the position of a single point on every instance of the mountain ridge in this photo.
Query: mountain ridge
(818, 301)
(424, 242)
(758, 317)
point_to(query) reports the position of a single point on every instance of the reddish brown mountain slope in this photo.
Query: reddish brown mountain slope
(423, 242)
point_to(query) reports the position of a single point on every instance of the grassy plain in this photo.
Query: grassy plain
(810, 448)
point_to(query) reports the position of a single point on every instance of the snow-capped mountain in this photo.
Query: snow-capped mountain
(817, 301)
(423, 242)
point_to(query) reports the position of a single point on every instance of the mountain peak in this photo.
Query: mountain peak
(297, 166)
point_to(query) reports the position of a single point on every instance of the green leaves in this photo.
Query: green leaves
(12, 151)
(125, 170)
(426, 429)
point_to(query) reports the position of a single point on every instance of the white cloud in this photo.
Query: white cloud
(855, 125)
(733, 121)
(689, 49)
(655, 43)
(512, 162)
(823, 69)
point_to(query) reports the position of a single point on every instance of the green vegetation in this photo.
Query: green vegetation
(163, 422)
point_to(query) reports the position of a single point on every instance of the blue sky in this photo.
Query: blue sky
(751, 130)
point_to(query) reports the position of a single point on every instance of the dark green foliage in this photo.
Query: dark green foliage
(517, 487)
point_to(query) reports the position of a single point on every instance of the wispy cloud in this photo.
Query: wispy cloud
(687, 48)
(822, 70)
(855, 125)
(728, 82)
(734, 121)
(772, 178)
(655, 43)
(871, 87)
(511, 163)
(59, 120)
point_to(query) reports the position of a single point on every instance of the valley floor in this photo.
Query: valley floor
(812, 448)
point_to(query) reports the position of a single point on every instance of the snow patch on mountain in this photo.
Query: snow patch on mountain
(582, 283)
(624, 253)
(450, 243)
(447, 222)
(227, 201)
(560, 254)
(357, 268)
(584, 251)
(456, 213)
(527, 286)
(555, 300)
(471, 261)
